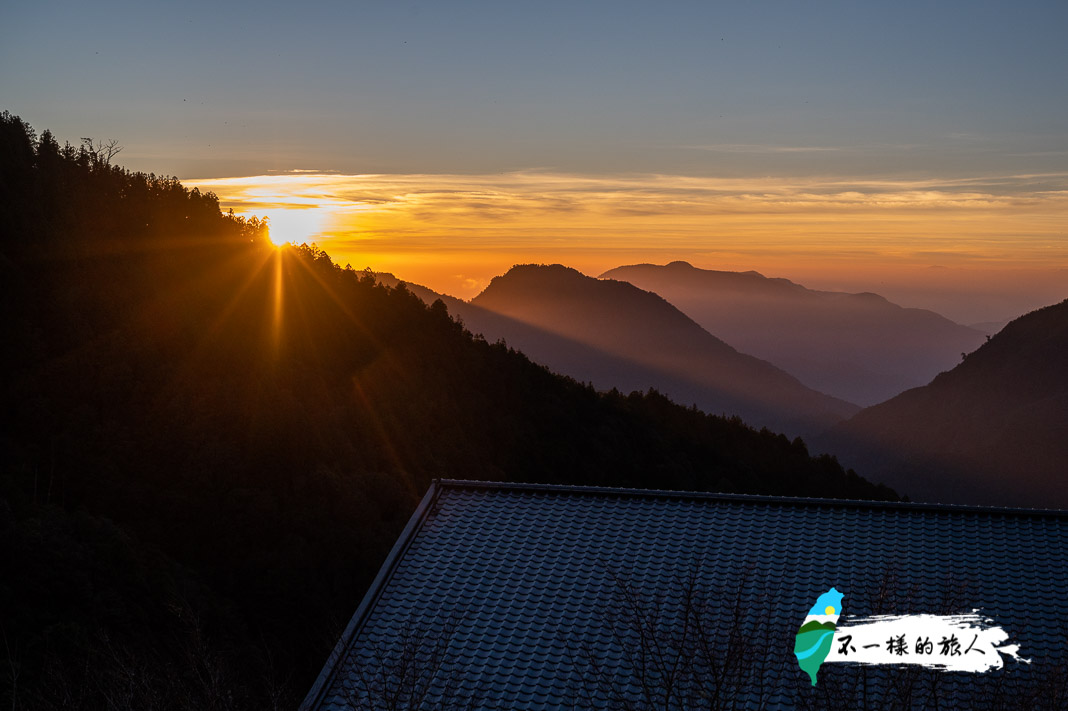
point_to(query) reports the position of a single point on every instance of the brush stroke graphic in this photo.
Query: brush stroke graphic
(965, 643)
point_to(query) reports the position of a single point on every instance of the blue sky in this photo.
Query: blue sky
(695, 88)
(859, 145)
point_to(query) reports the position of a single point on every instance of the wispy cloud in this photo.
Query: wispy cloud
(524, 196)
(546, 197)
(454, 221)
(762, 148)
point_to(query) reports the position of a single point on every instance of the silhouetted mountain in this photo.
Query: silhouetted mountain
(859, 347)
(209, 445)
(613, 334)
(561, 354)
(994, 430)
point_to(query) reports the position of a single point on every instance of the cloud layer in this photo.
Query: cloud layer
(455, 223)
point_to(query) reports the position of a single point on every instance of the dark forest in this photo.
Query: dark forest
(210, 444)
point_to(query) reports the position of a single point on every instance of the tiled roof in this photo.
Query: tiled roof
(516, 596)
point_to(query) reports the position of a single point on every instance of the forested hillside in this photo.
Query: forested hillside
(210, 444)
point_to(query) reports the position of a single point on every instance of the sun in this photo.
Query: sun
(276, 237)
(295, 225)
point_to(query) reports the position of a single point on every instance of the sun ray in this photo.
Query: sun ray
(223, 317)
(374, 417)
(276, 321)
(341, 304)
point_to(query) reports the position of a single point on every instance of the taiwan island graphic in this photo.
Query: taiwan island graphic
(814, 639)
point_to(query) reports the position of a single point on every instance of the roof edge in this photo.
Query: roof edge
(337, 655)
(753, 498)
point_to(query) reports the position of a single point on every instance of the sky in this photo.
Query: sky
(918, 150)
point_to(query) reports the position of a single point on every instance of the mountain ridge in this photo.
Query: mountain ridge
(859, 347)
(676, 354)
(614, 350)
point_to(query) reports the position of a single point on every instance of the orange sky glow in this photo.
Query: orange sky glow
(974, 249)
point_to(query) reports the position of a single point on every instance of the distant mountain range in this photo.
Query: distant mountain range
(994, 430)
(614, 334)
(858, 347)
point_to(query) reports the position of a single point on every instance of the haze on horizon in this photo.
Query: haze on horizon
(915, 150)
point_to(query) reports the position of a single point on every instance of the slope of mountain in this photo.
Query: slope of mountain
(859, 347)
(988, 327)
(614, 334)
(562, 354)
(994, 430)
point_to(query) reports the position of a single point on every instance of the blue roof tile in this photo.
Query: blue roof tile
(505, 595)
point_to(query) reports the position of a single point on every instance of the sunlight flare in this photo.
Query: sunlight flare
(296, 226)
(276, 321)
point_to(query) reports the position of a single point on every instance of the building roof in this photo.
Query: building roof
(538, 597)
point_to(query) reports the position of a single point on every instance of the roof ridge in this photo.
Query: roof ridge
(752, 498)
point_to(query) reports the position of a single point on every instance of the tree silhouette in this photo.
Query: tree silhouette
(671, 650)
